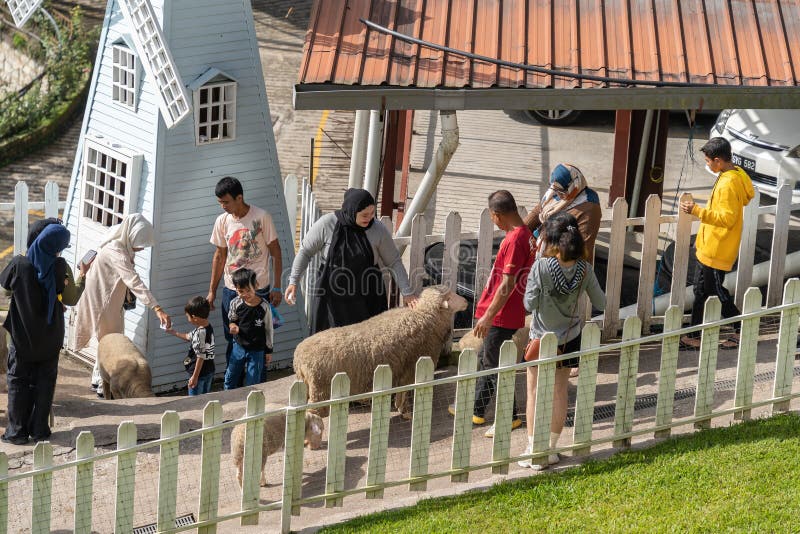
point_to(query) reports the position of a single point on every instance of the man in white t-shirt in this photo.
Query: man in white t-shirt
(245, 236)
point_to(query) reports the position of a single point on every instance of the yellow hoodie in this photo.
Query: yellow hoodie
(721, 220)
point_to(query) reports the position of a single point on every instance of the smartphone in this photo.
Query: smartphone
(88, 257)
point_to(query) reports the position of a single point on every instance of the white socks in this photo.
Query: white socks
(554, 439)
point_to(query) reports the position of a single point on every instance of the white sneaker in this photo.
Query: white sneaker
(530, 464)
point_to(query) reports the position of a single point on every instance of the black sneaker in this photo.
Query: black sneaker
(19, 440)
(100, 394)
(94, 387)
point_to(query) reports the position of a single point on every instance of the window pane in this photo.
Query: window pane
(225, 133)
(203, 114)
(215, 94)
(214, 131)
(204, 96)
(215, 113)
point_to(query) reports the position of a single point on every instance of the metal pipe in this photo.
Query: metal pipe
(637, 182)
(760, 278)
(447, 148)
(359, 157)
(374, 146)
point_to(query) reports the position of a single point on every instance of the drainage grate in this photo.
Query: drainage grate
(650, 400)
(182, 521)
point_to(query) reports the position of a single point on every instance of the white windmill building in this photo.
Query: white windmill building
(194, 63)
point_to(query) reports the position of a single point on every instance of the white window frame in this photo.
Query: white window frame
(204, 120)
(125, 76)
(110, 176)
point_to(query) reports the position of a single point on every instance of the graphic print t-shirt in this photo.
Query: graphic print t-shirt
(201, 346)
(255, 324)
(246, 240)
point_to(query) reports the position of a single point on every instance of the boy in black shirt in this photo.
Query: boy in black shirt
(201, 347)
(250, 323)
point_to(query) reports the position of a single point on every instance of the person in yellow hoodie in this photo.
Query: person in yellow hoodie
(720, 232)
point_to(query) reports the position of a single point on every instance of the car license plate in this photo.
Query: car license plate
(745, 163)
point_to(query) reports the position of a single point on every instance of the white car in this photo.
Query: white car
(766, 144)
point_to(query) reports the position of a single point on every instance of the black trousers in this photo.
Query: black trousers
(708, 283)
(489, 358)
(31, 386)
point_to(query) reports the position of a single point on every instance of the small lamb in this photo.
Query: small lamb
(124, 370)
(274, 438)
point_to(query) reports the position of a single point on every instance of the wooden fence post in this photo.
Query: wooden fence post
(42, 488)
(707, 365)
(668, 370)
(545, 386)
(616, 259)
(748, 345)
(126, 477)
(483, 259)
(51, 200)
(652, 225)
(20, 217)
(680, 264)
(626, 387)
(464, 406)
(587, 388)
(84, 473)
(421, 423)
(3, 492)
(168, 471)
(416, 261)
(747, 247)
(293, 455)
(251, 462)
(379, 430)
(787, 346)
(210, 451)
(337, 439)
(780, 238)
(452, 247)
(504, 407)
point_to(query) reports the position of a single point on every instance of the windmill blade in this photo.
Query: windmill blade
(157, 60)
(21, 10)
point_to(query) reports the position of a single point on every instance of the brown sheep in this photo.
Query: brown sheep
(274, 439)
(398, 338)
(124, 370)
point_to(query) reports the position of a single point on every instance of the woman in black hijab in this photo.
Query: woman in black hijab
(349, 287)
(36, 323)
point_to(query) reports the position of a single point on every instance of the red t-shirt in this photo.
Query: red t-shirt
(514, 258)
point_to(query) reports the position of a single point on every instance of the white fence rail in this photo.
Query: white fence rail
(379, 457)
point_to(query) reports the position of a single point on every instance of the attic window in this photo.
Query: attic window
(110, 178)
(215, 111)
(125, 80)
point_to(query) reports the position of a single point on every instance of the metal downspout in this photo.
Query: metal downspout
(359, 157)
(637, 183)
(374, 149)
(447, 148)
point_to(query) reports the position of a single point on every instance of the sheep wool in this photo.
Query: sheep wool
(274, 430)
(124, 370)
(397, 338)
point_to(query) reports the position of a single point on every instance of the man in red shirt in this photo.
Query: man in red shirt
(500, 311)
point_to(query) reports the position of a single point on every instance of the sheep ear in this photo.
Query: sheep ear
(445, 304)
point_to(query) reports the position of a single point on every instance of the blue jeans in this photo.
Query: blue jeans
(249, 362)
(227, 296)
(203, 385)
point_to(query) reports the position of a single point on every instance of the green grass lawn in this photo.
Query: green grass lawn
(745, 478)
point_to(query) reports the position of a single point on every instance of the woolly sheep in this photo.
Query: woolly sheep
(520, 339)
(274, 430)
(397, 337)
(125, 372)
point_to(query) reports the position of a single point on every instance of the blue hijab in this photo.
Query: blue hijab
(42, 254)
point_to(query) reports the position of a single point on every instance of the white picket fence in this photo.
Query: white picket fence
(28, 496)
(22, 205)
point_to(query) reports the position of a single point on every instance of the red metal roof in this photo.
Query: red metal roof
(733, 43)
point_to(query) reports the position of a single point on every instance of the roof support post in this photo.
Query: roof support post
(359, 157)
(374, 148)
(637, 183)
(447, 148)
